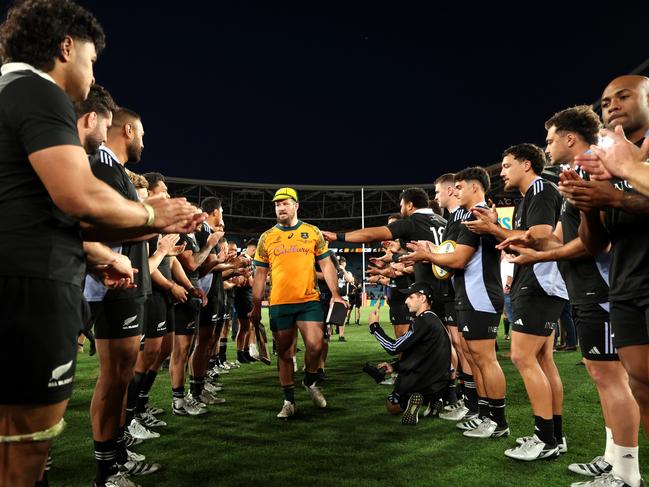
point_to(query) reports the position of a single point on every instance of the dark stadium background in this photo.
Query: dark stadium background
(354, 92)
(349, 93)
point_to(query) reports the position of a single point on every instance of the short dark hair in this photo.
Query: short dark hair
(475, 173)
(122, 115)
(34, 30)
(251, 241)
(153, 178)
(448, 178)
(528, 152)
(434, 205)
(581, 120)
(98, 101)
(417, 196)
(210, 204)
(394, 216)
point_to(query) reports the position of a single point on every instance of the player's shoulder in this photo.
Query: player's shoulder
(459, 215)
(104, 158)
(266, 234)
(543, 187)
(432, 320)
(309, 227)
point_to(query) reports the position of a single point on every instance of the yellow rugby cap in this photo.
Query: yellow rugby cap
(285, 193)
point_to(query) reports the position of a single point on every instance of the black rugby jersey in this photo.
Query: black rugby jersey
(478, 286)
(36, 238)
(586, 278)
(189, 239)
(452, 232)
(422, 225)
(541, 205)
(629, 233)
(106, 167)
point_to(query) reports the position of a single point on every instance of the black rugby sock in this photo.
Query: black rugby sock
(122, 457)
(105, 460)
(310, 378)
(557, 421)
(289, 393)
(470, 393)
(483, 407)
(497, 411)
(544, 429)
(132, 395)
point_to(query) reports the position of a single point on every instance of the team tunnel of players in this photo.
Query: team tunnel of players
(151, 281)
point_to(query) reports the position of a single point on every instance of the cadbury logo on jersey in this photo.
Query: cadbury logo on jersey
(283, 249)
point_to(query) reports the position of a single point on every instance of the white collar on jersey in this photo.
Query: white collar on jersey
(425, 211)
(105, 148)
(454, 209)
(11, 67)
(532, 183)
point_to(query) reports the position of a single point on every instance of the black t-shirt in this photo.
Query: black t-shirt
(541, 205)
(105, 167)
(425, 354)
(586, 278)
(478, 286)
(422, 225)
(36, 238)
(451, 232)
(189, 239)
(629, 273)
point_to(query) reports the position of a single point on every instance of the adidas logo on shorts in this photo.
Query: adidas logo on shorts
(518, 322)
(594, 351)
(466, 328)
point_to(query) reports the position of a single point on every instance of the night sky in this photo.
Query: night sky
(352, 92)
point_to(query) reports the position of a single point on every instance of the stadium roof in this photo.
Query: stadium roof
(248, 208)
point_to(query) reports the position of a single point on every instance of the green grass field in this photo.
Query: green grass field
(351, 443)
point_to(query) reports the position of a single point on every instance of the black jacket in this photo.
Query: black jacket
(425, 349)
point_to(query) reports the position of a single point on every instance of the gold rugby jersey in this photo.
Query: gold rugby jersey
(290, 253)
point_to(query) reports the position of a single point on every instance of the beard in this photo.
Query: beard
(92, 142)
(286, 218)
(134, 152)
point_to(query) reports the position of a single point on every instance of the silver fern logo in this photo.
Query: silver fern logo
(57, 373)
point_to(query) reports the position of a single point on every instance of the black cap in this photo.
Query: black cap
(418, 287)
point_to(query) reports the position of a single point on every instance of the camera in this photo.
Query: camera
(374, 372)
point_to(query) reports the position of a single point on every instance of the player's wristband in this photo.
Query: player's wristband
(151, 214)
(340, 236)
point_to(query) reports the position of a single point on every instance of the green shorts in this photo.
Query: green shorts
(284, 316)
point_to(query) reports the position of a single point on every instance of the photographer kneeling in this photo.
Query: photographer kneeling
(425, 356)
